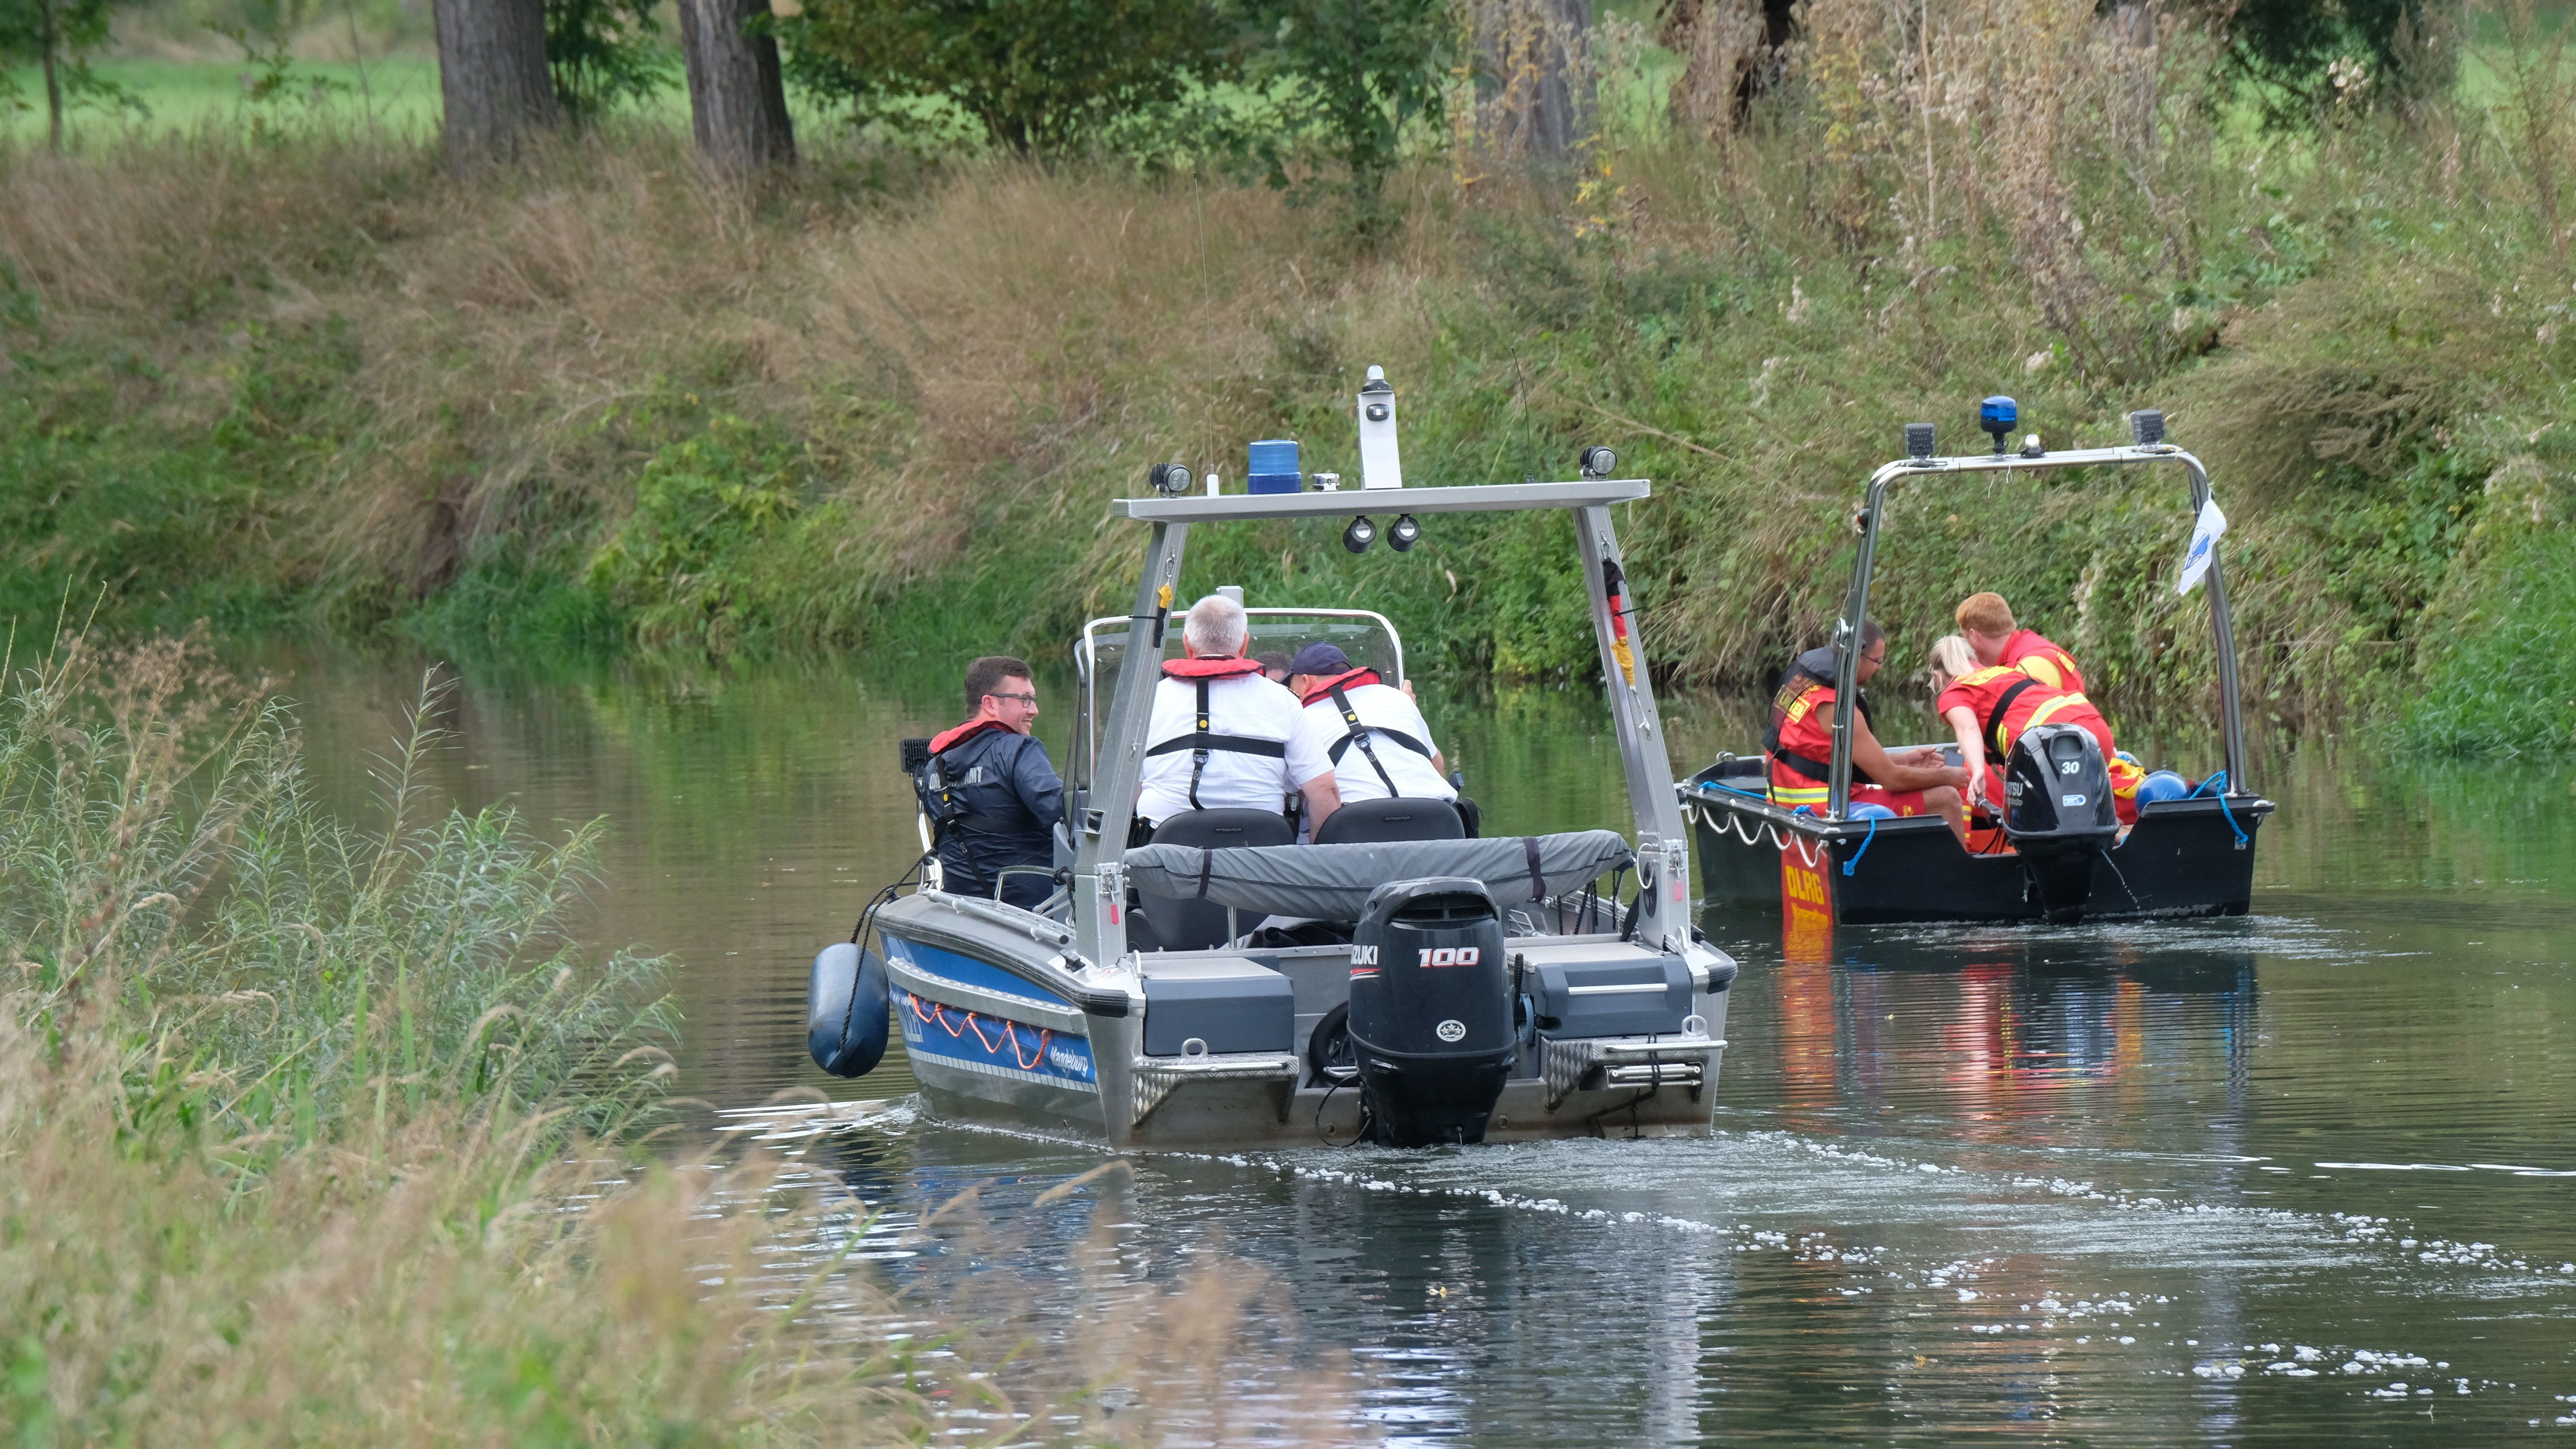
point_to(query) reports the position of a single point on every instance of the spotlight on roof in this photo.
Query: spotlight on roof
(1359, 535)
(1403, 534)
(1596, 462)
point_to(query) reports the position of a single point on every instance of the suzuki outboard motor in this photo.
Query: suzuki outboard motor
(2057, 812)
(1431, 1014)
(846, 1019)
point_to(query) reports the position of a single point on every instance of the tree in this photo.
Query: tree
(58, 37)
(1355, 75)
(1037, 77)
(601, 52)
(737, 97)
(492, 81)
(2288, 50)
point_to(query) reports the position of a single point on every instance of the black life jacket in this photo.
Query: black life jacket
(943, 797)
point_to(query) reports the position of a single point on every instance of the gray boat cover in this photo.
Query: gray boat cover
(1332, 882)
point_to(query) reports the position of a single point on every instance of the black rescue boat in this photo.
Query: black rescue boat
(2188, 856)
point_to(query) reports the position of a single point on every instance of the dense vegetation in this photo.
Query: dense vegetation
(880, 402)
(330, 1134)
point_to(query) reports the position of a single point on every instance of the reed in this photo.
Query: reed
(320, 1134)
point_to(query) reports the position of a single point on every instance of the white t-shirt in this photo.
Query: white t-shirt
(1384, 707)
(1246, 706)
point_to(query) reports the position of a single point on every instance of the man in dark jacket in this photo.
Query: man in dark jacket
(999, 774)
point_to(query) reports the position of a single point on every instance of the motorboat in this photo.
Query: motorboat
(2186, 856)
(1441, 988)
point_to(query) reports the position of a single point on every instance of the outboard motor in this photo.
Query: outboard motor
(846, 1016)
(2057, 812)
(1431, 1015)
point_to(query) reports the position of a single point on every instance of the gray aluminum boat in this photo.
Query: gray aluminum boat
(1482, 989)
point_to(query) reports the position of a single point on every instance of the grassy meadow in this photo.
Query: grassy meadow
(314, 381)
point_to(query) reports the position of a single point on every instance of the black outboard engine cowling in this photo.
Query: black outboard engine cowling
(1431, 1014)
(2057, 812)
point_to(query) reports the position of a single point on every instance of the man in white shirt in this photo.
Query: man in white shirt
(1220, 733)
(1359, 738)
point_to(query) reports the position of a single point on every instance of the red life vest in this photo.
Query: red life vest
(2007, 701)
(1209, 668)
(2033, 655)
(1802, 742)
(963, 732)
(1352, 680)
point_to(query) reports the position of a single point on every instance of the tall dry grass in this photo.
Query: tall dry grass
(908, 394)
(325, 1135)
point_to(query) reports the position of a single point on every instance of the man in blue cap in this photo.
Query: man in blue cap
(1363, 739)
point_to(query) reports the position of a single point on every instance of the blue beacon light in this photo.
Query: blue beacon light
(1998, 415)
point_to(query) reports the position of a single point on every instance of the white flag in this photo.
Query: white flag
(2205, 534)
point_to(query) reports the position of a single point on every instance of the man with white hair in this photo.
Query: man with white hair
(1221, 730)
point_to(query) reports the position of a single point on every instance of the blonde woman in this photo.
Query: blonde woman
(1983, 703)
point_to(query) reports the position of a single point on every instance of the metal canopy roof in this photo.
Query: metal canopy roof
(1474, 498)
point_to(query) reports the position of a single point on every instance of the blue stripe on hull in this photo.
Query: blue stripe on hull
(991, 1045)
(935, 961)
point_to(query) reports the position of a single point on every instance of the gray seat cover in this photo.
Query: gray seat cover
(1332, 882)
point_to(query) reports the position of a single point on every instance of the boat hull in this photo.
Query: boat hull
(2183, 858)
(996, 1034)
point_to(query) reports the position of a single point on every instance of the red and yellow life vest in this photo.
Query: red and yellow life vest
(2007, 700)
(2035, 656)
(1802, 741)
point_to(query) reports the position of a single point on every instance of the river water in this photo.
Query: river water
(2302, 1177)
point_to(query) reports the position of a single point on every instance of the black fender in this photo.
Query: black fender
(846, 1010)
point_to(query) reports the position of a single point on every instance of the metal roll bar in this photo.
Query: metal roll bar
(1856, 603)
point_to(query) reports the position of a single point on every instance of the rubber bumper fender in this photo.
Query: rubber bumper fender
(846, 1017)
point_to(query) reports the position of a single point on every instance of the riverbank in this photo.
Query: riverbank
(315, 382)
(322, 1133)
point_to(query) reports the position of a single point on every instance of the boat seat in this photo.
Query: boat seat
(1371, 822)
(1196, 925)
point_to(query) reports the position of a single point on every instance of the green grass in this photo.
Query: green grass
(396, 93)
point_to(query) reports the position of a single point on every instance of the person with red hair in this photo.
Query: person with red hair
(1986, 622)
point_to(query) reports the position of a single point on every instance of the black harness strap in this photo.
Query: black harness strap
(1354, 732)
(2003, 706)
(1199, 742)
(1538, 877)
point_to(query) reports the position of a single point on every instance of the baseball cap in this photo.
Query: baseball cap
(1320, 658)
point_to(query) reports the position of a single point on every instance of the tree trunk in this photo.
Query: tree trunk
(1562, 110)
(492, 76)
(737, 99)
(45, 39)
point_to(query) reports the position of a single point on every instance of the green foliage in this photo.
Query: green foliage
(1038, 77)
(704, 509)
(2501, 677)
(59, 37)
(1353, 79)
(600, 53)
(105, 507)
(2287, 52)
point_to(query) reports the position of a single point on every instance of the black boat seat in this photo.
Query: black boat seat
(1371, 822)
(1196, 925)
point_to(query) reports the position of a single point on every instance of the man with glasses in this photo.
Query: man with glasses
(990, 790)
(1800, 740)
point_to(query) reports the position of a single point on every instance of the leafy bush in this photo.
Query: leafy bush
(1040, 77)
(702, 508)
